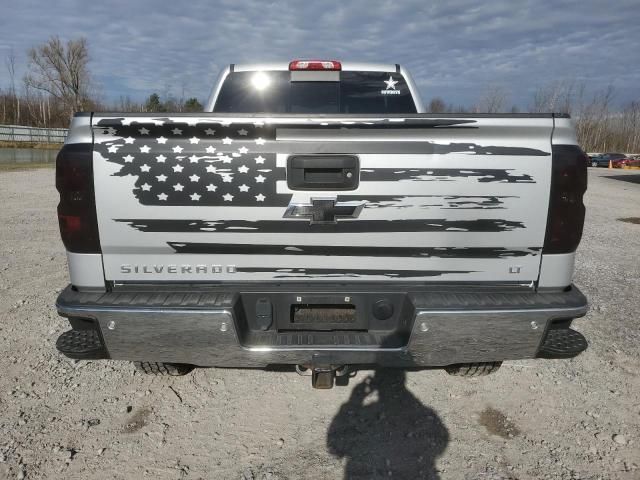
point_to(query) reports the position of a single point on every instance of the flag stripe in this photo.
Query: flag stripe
(342, 273)
(349, 251)
(303, 226)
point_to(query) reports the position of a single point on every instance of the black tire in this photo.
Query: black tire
(163, 369)
(473, 369)
(594, 164)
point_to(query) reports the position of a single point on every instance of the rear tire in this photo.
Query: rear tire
(473, 369)
(163, 369)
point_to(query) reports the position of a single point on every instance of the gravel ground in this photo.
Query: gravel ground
(532, 419)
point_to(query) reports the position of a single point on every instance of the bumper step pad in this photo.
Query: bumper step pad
(562, 343)
(82, 345)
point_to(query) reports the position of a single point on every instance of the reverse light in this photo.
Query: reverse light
(327, 65)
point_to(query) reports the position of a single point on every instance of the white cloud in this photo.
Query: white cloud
(454, 49)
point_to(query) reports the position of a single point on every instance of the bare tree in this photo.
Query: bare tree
(61, 71)
(437, 105)
(493, 100)
(10, 63)
(558, 97)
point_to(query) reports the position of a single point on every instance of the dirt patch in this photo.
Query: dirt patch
(497, 423)
(137, 420)
(635, 220)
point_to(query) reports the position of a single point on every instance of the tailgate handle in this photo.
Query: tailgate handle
(323, 172)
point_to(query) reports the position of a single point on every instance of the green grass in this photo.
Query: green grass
(16, 167)
(37, 145)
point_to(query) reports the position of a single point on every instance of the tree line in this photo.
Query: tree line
(600, 125)
(58, 83)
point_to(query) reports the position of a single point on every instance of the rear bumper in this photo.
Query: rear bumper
(444, 325)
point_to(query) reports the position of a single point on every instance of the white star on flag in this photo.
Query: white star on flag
(205, 175)
(209, 131)
(143, 131)
(391, 83)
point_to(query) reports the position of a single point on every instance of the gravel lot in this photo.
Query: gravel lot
(533, 419)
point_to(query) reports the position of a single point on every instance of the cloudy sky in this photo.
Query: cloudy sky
(455, 49)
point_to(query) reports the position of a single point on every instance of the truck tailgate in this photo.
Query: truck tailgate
(212, 198)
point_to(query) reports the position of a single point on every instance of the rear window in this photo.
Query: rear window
(274, 92)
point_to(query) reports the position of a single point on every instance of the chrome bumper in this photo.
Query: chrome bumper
(202, 328)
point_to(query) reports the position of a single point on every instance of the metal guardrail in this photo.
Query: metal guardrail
(20, 133)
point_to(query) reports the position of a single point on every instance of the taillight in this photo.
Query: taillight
(566, 210)
(328, 65)
(77, 207)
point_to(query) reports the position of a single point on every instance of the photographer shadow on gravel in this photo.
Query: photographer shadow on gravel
(384, 430)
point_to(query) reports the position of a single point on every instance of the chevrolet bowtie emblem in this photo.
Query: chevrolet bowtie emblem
(324, 210)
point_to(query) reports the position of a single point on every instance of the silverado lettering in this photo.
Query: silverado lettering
(173, 269)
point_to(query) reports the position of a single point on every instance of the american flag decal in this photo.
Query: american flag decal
(206, 164)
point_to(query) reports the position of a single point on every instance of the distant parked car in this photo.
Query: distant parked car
(603, 159)
(625, 162)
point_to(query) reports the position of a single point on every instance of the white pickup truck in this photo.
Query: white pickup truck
(314, 216)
